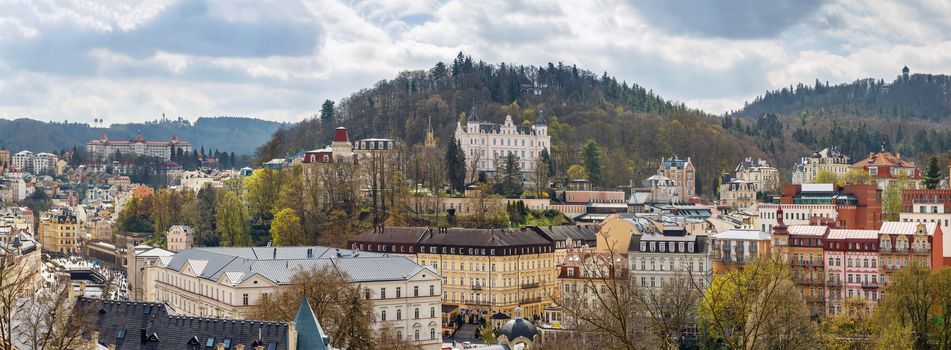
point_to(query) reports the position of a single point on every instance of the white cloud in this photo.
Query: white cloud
(133, 60)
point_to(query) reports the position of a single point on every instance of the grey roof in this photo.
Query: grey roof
(584, 233)
(519, 327)
(279, 264)
(147, 325)
(700, 247)
(454, 236)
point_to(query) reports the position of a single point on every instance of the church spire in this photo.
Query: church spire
(430, 136)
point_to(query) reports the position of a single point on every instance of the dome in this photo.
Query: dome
(519, 327)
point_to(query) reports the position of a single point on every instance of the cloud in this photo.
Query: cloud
(135, 59)
(734, 19)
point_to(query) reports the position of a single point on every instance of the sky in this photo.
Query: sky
(125, 61)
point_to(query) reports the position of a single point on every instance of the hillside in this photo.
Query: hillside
(910, 115)
(632, 124)
(920, 96)
(234, 134)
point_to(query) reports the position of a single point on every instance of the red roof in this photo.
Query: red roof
(341, 135)
(883, 159)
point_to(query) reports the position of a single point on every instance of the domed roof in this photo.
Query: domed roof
(519, 327)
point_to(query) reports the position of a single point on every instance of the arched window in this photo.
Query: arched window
(432, 333)
(416, 335)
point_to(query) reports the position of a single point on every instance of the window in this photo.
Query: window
(432, 290)
(432, 312)
(398, 292)
(383, 315)
(244, 299)
(416, 313)
(382, 293)
(432, 333)
(416, 335)
(399, 314)
(416, 291)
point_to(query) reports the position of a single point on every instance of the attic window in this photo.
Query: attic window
(227, 343)
(210, 343)
(121, 334)
(148, 309)
(272, 346)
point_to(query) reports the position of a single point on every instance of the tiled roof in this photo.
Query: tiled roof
(883, 159)
(906, 228)
(454, 236)
(584, 233)
(807, 230)
(141, 325)
(279, 264)
(852, 234)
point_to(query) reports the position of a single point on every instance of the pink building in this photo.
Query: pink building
(179, 238)
(851, 258)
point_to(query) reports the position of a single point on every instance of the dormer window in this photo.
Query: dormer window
(643, 246)
(690, 247)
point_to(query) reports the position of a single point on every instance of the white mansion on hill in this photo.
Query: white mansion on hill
(103, 147)
(487, 144)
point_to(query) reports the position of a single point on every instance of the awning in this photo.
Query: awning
(446, 308)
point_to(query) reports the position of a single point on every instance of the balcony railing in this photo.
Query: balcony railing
(890, 268)
(869, 285)
(807, 263)
(921, 251)
(816, 299)
(529, 285)
(530, 300)
(808, 281)
(834, 283)
(477, 302)
(476, 287)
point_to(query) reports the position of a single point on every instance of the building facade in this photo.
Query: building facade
(487, 144)
(929, 206)
(179, 238)
(764, 177)
(671, 255)
(483, 271)
(228, 282)
(851, 206)
(734, 248)
(683, 173)
(736, 193)
(886, 168)
(828, 159)
(60, 231)
(103, 148)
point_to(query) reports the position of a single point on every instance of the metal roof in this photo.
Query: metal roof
(749, 235)
(807, 230)
(906, 228)
(852, 234)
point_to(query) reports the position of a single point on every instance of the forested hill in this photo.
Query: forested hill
(232, 134)
(634, 127)
(920, 96)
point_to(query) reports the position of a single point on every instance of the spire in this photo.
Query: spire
(541, 118)
(430, 136)
(310, 335)
(473, 113)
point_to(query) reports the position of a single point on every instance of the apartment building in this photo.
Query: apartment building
(827, 159)
(670, 255)
(482, 270)
(227, 282)
(60, 231)
(929, 206)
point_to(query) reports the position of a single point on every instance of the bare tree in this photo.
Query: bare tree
(50, 320)
(19, 277)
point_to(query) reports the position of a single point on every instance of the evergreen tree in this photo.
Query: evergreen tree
(510, 185)
(456, 165)
(591, 158)
(233, 162)
(327, 112)
(932, 174)
(546, 158)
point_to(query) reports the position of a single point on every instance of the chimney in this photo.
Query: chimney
(291, 335)
(275, 253)
(220, 346)
(259, 347)
(111, 347)
(239, 347)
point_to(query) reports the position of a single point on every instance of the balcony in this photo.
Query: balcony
(890, 268)
(529, 300)
(807, 263)
(476, 287)
(529, 285)
(808, 281)
(816, 299)
(869, 285)
(921, 251)
(477, 302)
(834, 283)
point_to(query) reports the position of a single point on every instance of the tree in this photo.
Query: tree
(577, 172)
(891, 198)
(916, 304)
(327, 112)
(231, 220)
(540, 178)
(591, 158)
(855, 177)
(756, 307)
(262, 190)
(824, 176)
(339, 305)
(205, 234)
(510, 184)
(849, 328)
(932, 177)
(456, 165)
(549, 163)
(286, 228)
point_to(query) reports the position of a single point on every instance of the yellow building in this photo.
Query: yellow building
(734, 248)
(59, 231)
(484, 271)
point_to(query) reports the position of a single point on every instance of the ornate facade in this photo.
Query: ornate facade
(487, 144)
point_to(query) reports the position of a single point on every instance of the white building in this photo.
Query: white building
(828, 159)
(487, 144)
(227, 282)
(22, 161)
(658, 258)
(795, 214)
(103, 147)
